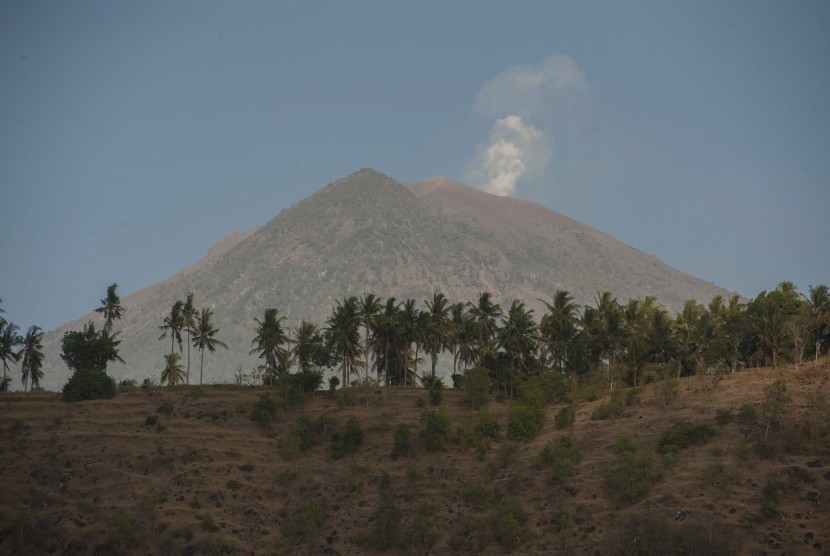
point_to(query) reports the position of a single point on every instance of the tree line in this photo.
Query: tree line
(391, 341)
(399, 342)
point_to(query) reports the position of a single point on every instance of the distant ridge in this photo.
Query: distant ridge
(370, 233)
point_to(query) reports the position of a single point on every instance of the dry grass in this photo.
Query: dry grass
(100, 477)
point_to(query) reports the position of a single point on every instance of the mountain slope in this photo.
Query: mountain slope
(370, 233)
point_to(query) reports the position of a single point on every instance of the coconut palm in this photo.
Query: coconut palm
(485, 313)
(9, 339)
(439, 327)
(32, 357)
(111, 306)
(369, 307)
(189, 314)
(559, 327)
(173, 371)
(309, 347)
(343, 332)
(269, 341)
(173, 324)
(204, 337)
(517, 337)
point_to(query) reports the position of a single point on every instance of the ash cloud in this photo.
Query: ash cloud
(517, 147)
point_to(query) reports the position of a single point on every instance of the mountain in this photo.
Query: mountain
(370, 233)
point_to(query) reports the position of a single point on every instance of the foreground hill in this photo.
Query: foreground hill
(186, 471)
(370, 233)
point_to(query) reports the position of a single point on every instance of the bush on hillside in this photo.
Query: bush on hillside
(89, 384)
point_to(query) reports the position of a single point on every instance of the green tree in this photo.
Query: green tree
(485, 313)
(9, 339)
(90, 348)
(204, 337)
(173, 324)
(769, 316)
(189, 314)
(776, 400)
(518, 338)
(111, 307)
(173, 372)
(439, 328)
(369, 307)
(559, 328)
(32, 357)
(343, 334)
(309, 348)
(269, 341)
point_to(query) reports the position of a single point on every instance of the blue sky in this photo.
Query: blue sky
(133, 135)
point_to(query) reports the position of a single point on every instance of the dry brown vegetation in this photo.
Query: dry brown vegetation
(187, 471)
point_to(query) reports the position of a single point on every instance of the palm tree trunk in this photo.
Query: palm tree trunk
(201, 366)
(188, 358)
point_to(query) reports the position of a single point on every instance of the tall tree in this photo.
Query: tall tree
(269, 341)
(369, 307)
(111, 306)
(485, 313)
(309, 348)
(189, 314)
(343, 333)
(173, 371)
(518, 338)
(818, 302)
(204, 337)
(439, 327)
(173, 324)
(90, 349)
(9, 339)
(32, 357)
(559, 327)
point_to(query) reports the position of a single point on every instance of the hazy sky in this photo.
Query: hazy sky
(133, 135)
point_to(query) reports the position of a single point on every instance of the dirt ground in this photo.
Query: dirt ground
(187, 471)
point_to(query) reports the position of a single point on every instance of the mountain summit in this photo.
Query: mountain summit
(370, 233)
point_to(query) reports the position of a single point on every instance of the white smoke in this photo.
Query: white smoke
(516, 148)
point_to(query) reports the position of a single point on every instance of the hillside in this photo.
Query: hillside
(186, 471)
(370, 233)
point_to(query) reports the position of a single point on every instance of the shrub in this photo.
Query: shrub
(348, 441)
(630, 480)
(612, 409)
(89, 384)
(387, 521)
(435, 429)
(402, 444)
(307, 431)
(477, 385)
(565, 417)
(123, 533)
(303, 523)
(436, 387)
(265, 411)
(486, 426)
(151, 421)
(166, 408)
(748, 414)
(723, 417)
(525, 422)
(682, 434)
(334, 382)
(233, 485)
(544, 388)
(562, 457)
(509, 526)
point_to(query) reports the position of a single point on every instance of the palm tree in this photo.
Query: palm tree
(111, 306)
(369, 307)
(189, 314)
(204, 336)
(408, 326)
(559, 327)
(308, 347)
(518, 337)
(173, 323)
(485, 313)
(173, 372)
(769, 319)
(386, 340)
(343, 330)
(9, 338)
(439, 328)
(269, 340)
(32, 357)
(819, 305)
